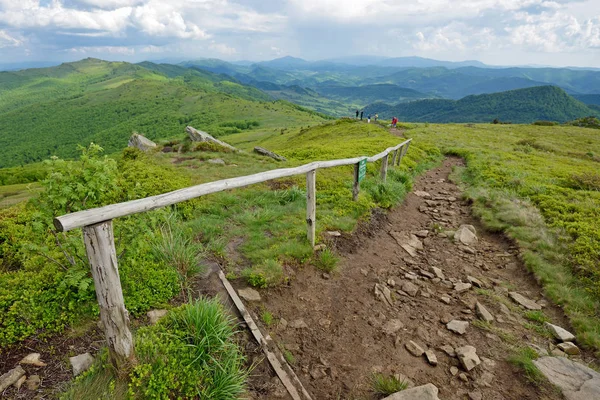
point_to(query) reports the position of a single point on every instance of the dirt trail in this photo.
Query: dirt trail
(345, 340)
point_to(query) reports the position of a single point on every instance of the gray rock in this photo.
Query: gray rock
(524, 301)
(282, 324)
(475, 282)
(457, 326)
(483, 313)
(438, 273)
(155, 315)
(384, 294)
(445, 299)
(20, 382)
(334, 233)
(466, 235)
(476, 395)
(392, 326)
(431, 358)
(200, 136)
(560, 333)
(409, 288)
(414, 349)
(216, 161)
(422, 234)
(11, 377)
(425, 392)
(569, 348)
(460, 287)
(33, 382)
(467, 355)
(141, 142)
(541, 351)
(426, 274)
(577, 381)
(81, 363)
(249, 294)
(298, 324)
(463, 377)
(423, 194)
(264, 152)
(449, 350)
(33, 359)
(504, 309)
(453, 371)
(409, 242)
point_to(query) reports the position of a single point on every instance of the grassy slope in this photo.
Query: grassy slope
(517, 106)
(514, 171)
(54, 109)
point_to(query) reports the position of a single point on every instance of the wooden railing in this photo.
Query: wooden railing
(100, 244)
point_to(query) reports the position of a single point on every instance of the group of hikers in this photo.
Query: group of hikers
(394, 119)
(368, 116)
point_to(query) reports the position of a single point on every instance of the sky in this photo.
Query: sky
(497, 32)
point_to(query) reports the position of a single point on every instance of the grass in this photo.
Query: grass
(536, 316)
(538, 199)
(523, 358)
(506, 336)
(267, 318)
(326, 260)
(14, 194)
(194, 343)
(384, 385)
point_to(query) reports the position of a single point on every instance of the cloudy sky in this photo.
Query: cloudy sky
(500, 32)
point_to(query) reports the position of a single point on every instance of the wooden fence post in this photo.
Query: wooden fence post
(384, 167)
(404, 150)
(356, 186)
(102, 255)
(395, 158)
(311, 204)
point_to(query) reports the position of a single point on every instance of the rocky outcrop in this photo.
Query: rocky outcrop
(576, 381)
(264, 152)
(200, 136)
(141, 142)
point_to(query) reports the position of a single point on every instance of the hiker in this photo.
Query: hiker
(376, 116)
(394, 122)
(361, 114)
(356, 114)
(369, 119)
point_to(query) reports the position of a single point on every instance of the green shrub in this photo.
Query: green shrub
(326, 260)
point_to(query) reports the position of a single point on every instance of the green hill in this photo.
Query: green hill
(366, 94)
(49, 111)
(518, 106)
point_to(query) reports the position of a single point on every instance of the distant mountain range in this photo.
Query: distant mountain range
(518, 106)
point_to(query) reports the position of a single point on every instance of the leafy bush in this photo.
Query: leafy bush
(545, 123)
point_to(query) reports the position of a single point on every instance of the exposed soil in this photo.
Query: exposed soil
(345, 343)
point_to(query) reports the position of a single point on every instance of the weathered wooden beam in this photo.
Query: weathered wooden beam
(311, 205)
(404, 149)
(102, 255)
(384, 167)
(395, 158)
(110, 212)
(356, 185)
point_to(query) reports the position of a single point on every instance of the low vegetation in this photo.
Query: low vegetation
(384, 385)
(191, 353)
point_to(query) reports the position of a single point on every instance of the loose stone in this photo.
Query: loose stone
(560, 333)
(457, 326)
(414, 349)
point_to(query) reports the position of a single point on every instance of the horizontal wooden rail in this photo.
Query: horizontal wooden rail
(96, 215)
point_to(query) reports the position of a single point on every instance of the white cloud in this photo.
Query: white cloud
(158, 18)
(222, 49)
(114, 50)
(7, 40)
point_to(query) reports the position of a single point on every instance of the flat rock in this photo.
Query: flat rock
(33, 382)
(81, 363)
(445, 299)
(414, 349)
(431, 358)
(422, 234)
(141, 142)
(155, 315)
(384, 294)
(453, 370)
(466, 235)
(11, 377)
(467, 355)
(392, 326)
(409, 242)
(560, 333)
(264, 152)
(449, 350)
(475, 282)
(20, 382)
(524, 301)
(576, 381)
(298, 324)
(219, 161)
(249, 294)
(409, 288)
(425, 392)
(460, 287)
(569, 348)
(33, 359)
(457, 326)
(483, 313)
(423, 194)
(438, 273)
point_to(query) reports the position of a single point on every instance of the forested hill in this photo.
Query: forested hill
(517, 106)
(49, 111)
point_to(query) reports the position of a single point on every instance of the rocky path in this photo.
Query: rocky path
(405, 286)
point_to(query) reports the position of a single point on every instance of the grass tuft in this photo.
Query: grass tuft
(326, 260)
(386, 385)
(523, 359)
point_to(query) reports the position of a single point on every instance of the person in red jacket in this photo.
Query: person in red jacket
(394, 122)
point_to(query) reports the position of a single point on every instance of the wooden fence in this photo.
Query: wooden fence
(100, 244)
